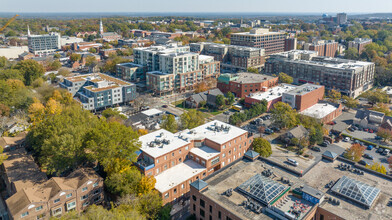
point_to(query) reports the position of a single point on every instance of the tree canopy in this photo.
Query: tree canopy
(283, 115)
(262, 146)
(192, 119)
(284, 78)
(169, 123)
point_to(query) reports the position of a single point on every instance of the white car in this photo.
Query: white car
(346, 139)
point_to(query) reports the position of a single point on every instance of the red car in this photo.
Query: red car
(366, 129)
(371, 131)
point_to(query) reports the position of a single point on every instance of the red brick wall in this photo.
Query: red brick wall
(311, 98)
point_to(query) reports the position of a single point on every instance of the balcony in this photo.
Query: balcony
(145, 164)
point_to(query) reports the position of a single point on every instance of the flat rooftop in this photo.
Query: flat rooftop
(246, 77)
(319, 110)
(152, 112)
(159, 73)
(161, 142)
(216, 131)
(304, 89)
(96, 77)
(177, 174)
(205, 152)
(273, 93)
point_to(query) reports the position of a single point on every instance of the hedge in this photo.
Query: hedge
(367, 142)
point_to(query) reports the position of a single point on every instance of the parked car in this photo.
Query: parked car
(354, 127)
(324, 144)
(292, 162)
(371, 131)
(385, 152)
(380, 150)
(317, 149)
(226, 112)
(369, 147)
(164, 106)
(351, 129)
(378, 138)
(368, 156)
(366, 129)
(346, 139)
(364, 163)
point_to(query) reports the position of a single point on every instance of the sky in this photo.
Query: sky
(291, 6)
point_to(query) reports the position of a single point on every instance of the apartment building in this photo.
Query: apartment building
(304, 96)
(97, 90)
(177, 160)
(271, 42)
(33, 196)
(232, 58)
(359, 44)
(290, 43)
(326, 48)
(243, 84)
(131, 72)
(350, 77)
(44, 44)
(173, 68)
(341, 18)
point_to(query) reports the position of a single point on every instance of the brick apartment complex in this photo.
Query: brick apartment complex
(290, 43)
(33, 196)
(232, 58)
(271, 42)
(173, 68)
(97, 90)
(324, 111)
(325, 48)
(177, 160)
(350, 77)
(304, 96)
(243, 84)
(359, 44)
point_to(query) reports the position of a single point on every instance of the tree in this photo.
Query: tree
(376, 96)
(55, 65)
(191, 119)
(315, 135)
(110, 65)
(350, 102)
(390, 162)
(75, 57)
(385, 134)
(220, 101)
(355, 152)
(91, 60)
(230, 98)
(169, 123)
(56, 56)
(262, 146)
(201, 87)
(283, 115)
(124, 183)
(92, 50)
(11, 74)
(111, 112)
(100, 212)
(3, 157)
(378, 168)
(64, 72)
(31, 70)
(284, 78)
(252, 70)
(112, 144)
(334, 95)
(351, 54)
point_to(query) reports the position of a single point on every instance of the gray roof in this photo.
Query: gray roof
(136, 118)
(313, 192)
(199, 184)
(251, 154)
(209, 96)
(298, 131)
(330, 154)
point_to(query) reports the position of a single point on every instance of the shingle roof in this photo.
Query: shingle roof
(298, 131)
(251, 154)
(330, 154)
(199, 184)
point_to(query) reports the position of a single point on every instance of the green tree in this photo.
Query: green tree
(284, 78)
(350, 102)
(99, 212)
(75, 57)
(230, 98)
(14, 94)
(55, 65)
(191, 119)
(376, 96)
(31, 70)
(124, 183)
(220, 101)
(283, 115)
(56, 56)
(92, 50)
(316, 135)
(262, 146)
(334, 95)
(110, 64)
(351, 54)
(3, 157)
(3, 62)
(11, 74)
(169, 123)
(252, 70)
(111, 112)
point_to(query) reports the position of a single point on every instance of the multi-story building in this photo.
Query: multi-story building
(44, 44)
(290, 43)
(173, 68)
(243, 84)
(32, 196)
(177, 160)
(272, 42)
(131, 72)
(325, 48)
(232, 58)
(97, 90)
(359, 44)
(350, 77)
(341, 18)
(304, 96)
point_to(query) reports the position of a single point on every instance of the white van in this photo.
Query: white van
(292, 162)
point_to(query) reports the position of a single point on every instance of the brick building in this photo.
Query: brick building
(243, 84)
(304, 96)
(290, 43)
(33, 196)
(272, 42)
(176, 160)
(326, 48)
(324, 111)
(359, 44)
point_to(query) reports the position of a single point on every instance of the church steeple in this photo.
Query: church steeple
(28, 31)
(101, 27)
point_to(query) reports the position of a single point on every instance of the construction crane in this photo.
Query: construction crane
(8, 23)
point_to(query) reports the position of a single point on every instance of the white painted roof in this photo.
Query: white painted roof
(177, 175)
(273, 93)
(156, 150)
(225, 132)
(319, 110)
(152, 112)
(205, 152)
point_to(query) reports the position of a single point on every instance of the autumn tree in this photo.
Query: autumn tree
(334, 95)
(390, 162)
(252, 70)
(376, 96)
(191, 119)
(385, 134)
(111, 112)
(169, 123)
(31, 70)
(284, 78)
(201, 87)
(377, 167)
(91, 60)
(350, 102)
(283, 115)
(355, 152)
(75, 57)
(3, 156)
(262, 146)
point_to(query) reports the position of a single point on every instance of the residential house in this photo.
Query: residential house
(209, 97)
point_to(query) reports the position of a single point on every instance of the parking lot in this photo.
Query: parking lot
(377, 158)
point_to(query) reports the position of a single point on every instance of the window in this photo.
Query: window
(157, 170)
(210, 209)
(25, 214)
(57, 212)
(173, 163)
(179, 160)
(224, 146)
(203, 162)
(166, 195)
(97, 199)
(157, 160)
(228, 218)
(194, 198)
(97, 191)
(84, 189)
(165, 167)
(71, 205)
(173, 154)
(39, 208)
(179, 151)
(202, 203)
(56, 200)
(95, 184)
(210, 217)
(202, 212)
(321, 217)
(70, 194)
(219, 215)
(165, 157)
(182, 186)
(186, 148)
(175, 191)
(224, 155)
(235, 149)
(194, 207)
(83, 197)
(86, 204)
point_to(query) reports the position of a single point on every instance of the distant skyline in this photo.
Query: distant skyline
(237, 6)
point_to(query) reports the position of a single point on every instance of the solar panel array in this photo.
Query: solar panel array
(262, 189)
(356, 191)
